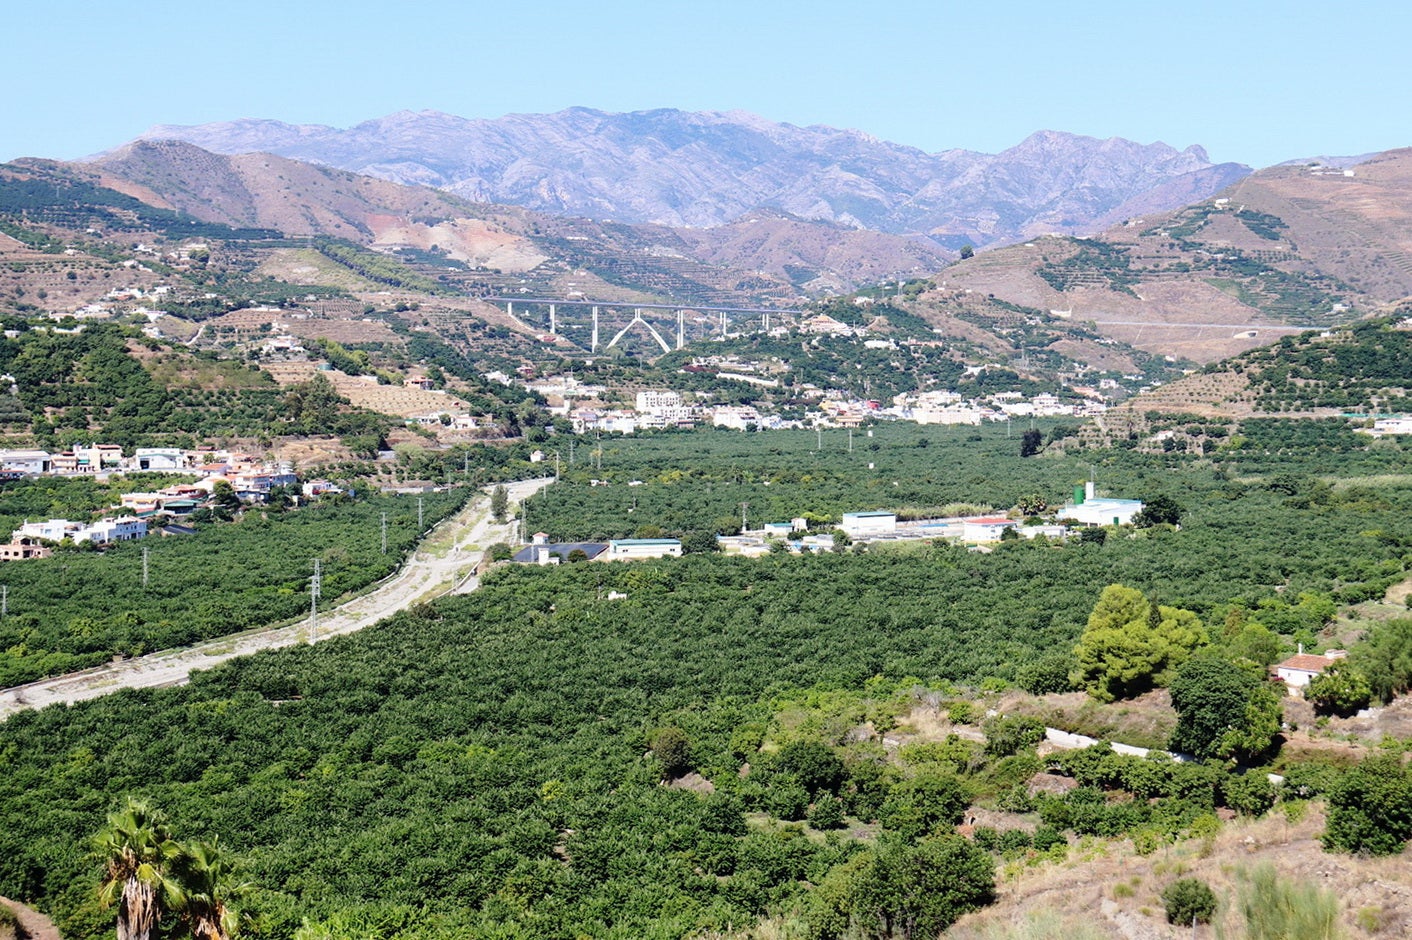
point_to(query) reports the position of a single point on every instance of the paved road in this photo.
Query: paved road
(444, 563)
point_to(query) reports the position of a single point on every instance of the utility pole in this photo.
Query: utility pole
(850, 440)
(384, 533)
(743, 507)
(144, 566)
(4, 600)
(419, 514)
(820, 432)
(571, 453)
(556, 466)
(466, 463)
(315, 586)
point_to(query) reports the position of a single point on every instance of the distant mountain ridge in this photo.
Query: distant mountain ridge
(769, 255)
(703, 169)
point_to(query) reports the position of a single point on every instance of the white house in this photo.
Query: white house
(985, 528)
(25, 461)
(1398, 424)
(1099, 510)
(159, 458)
(650, 401)
(861, 525)
(736, 417)
(123, 529)
(626, 549)
(50, 530)
(1299, 670)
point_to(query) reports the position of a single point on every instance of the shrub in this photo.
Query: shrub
(827, 813)
(1306, 781)
(1250, 794)
(1339, 690)
(1189, 901)
(673, 751)
(1046, 675)
(1046, 837)
(1223, 711)
(814, 764)
(1370, 808)
(927, 803)
(1014, 841)
(1017, 799)
(1011, 733)
(786, 799)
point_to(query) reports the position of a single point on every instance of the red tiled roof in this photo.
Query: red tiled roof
(1306, 662)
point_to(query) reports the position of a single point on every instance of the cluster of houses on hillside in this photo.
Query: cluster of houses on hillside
(245, 473)
(250, 480)
(656, 409)
(31, 540)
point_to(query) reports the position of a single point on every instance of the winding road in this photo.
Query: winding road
(443, 563)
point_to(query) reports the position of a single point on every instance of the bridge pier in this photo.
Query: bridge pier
(553, 323)
(593, 346)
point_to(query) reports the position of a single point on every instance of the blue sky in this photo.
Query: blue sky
(1254, 82)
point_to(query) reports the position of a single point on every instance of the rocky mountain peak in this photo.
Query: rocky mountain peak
(705, 168)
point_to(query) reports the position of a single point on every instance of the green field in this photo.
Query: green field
(479, 767)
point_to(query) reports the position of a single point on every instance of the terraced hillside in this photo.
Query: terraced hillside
(1342, 376)
(1288, 247)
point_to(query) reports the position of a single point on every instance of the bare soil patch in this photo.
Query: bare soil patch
(32, 924)
(1115, 892)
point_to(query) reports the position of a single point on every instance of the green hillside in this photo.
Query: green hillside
(491, 765)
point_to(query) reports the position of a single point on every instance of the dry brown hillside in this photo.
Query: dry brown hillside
(1285, 247)
(1106, 889)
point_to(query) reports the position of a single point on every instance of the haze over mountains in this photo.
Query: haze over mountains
(704, 169)
(768, 254)
(1292, 245)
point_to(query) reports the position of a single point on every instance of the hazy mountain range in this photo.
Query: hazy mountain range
(703, 169)
(768, 254)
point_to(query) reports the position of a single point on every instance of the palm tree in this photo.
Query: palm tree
(209, 885)
(137, 850)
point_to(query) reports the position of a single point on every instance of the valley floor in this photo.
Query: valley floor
(444, 563)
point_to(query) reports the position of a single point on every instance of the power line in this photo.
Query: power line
(315, 588)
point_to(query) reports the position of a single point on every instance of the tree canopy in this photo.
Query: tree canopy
(1131, 644)
(1223, 711)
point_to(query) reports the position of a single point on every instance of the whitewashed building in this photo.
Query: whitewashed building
(861, 525)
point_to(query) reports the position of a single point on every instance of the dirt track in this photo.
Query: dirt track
(33, 925)
(444, 563)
